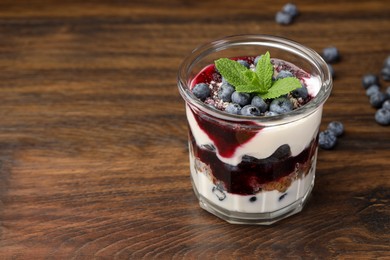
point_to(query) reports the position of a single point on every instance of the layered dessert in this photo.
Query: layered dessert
(247, 165)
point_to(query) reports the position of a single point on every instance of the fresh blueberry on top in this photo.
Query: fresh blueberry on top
(281, 105)
(327, 140)
(283, 18)
(386, 104)
(225, 92)
(257, 60)
(386, 73)
(290, 9)
(250, 110)
(258, 102)
(372, 89)
(382, 116)
(244, 63)
(370, 79)
(377, 99)
(331, 54)
(300, 92)
(336, 127)
(270, 113)
(233, 108)
(241, 98)
(284, 74)
(201, 91)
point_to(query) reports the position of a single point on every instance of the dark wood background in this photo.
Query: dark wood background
(93, 135)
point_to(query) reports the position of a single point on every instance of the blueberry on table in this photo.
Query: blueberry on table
(386, 104)
(336, 127)
(370, 79)
(201, 91)
(377, 99)
(331, 54)
(327, 140)
(372, 90)
(386, 73)
(250, 110)
(281, 105)
(283, 18)
(233, 108)
(225, 92)
(382, 116)
(259, 103)
(241, 98)
(290, 9)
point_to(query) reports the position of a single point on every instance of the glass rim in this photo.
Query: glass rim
(263, 40)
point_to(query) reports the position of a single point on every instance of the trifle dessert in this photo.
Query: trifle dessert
(253, 126)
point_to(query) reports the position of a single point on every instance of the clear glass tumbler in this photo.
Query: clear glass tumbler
(253, 170)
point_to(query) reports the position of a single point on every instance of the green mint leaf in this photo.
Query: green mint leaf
(233, 72)
(282, 87)
(264, 71)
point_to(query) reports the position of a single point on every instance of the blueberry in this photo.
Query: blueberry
(225, 92)
(336, 127)
(387, 62)
(244, 63)
(281, 105)
(300, 92)
(258, 102)
(284, 74)
(257, 60)
(201, 91)
(382, 116)
(241, 98)
(386, 104)
(283, 152)
(327, 140)
(250, 110)
(370, 79)
(377, 99)
(283, 18)
(290, 9)
(330, 54)
(331, 70)
(388, 91)
(270, 113)
(233, 108)
(386, 73)
(372, 89)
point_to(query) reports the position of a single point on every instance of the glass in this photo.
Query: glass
(253, 170)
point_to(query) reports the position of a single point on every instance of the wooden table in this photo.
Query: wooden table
(93, 135)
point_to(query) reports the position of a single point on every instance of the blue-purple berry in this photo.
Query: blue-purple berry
(377, 99)
(386, 104)
(327, 140)
(372, 89)
(283, 18)
(258, 102)
(336, 127)
(386, 73)
(201, 91)
(250, 110)
(301, 92)
(270, 113)
(290, 9)
(281, 105)
(241, 98)
(225, 92)
(382, 116)
(330, 54)
(370, 79)
(284, 74)
(244, 63)
(233, 108)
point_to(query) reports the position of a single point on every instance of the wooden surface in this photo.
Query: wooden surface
(93, 135)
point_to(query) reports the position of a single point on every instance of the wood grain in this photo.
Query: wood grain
(93, 135)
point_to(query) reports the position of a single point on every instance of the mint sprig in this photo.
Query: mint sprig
(258, 81)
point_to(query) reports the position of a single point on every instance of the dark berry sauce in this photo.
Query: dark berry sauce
(251, 174)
